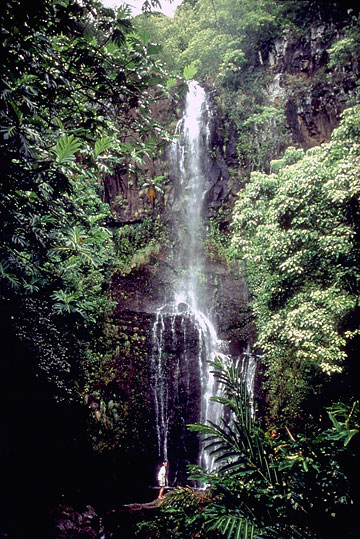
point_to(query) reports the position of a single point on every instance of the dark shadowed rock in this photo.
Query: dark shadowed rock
(70, 522)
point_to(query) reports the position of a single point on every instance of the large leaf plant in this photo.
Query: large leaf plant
(268, 483)
(77, 83)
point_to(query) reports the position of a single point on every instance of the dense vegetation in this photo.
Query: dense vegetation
(295, 230)
(73, 77)
(77, 86)
(229, 42)
(267, 483)
(78, 83)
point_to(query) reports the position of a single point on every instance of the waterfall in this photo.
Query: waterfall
(188, 306)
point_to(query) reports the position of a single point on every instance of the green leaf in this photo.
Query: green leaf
(350, 435)
(145, 36)
(11, 277)
(190, 71)
(231, 529)
(17, 111)
(102, 145)
(170, 83)
(334, 421)
(65, 149)
(64, 301)
(60, 124)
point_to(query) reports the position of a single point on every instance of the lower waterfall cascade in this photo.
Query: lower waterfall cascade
(184, 339)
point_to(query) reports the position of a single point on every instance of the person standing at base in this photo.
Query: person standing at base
(162, 479)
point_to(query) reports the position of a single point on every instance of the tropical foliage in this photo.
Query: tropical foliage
(76, 90)
(232, 45)
(296, 231)
(267, 483)
(217, 36)
(345, 51)
(78, 86)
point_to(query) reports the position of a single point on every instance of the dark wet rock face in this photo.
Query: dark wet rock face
(298, 83)
(166, 309)
(312, 95)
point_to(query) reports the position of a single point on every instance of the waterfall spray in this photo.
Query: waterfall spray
(190, 156)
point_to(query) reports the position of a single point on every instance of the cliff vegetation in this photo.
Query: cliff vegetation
(89, 98)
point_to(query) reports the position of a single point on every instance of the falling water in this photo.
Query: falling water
(189, 303)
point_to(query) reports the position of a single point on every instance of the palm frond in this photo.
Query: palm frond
(233, 526)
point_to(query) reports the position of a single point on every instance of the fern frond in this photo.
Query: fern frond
(10, 277)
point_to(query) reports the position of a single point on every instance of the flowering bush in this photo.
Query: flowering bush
(297, 233)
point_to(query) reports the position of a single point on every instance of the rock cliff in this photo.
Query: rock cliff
(297, 82)
(301, 82)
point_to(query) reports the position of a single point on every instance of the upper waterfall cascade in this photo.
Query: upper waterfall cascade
(188, 305)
